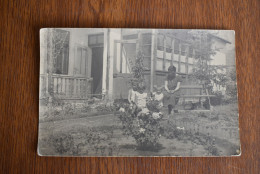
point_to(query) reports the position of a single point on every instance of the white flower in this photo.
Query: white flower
(122, 110)
(144, 111)
(141, 130)
(180, 128)
(156, 115)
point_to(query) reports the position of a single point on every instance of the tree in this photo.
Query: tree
(55, 45)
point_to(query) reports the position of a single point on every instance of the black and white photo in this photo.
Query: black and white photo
(137, 92)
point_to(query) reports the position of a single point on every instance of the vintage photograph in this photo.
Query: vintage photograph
(137, 92)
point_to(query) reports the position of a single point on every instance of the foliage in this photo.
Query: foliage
(88, 141)
(68, 109)
(137, 81)
(104, 108)
(232, 87)
(142, 124)
(170, 131)
(206, 74)
(217, 99)
(152, 104)
(62, 143)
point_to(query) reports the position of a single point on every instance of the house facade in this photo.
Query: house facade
(77, 64)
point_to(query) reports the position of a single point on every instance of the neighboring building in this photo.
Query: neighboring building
(225, 57)
(98, 62)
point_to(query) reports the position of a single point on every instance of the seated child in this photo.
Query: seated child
(158, 95)
(137, 95)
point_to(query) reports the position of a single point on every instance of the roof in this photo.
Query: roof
(217, 37)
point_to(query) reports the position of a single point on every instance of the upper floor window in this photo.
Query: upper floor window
(96, 40)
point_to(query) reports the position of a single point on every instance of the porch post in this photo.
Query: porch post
(186, 61)
(172, 55)
(50, 62)
(104, 75)
(153, 57)
(179, 59)
(138, 42)
(108, 64)
(164, 52)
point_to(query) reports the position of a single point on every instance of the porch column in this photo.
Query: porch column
(172, 55)
(186, 60)
(153, 57)
(179, 58)
(50, 62)
(164, 52)
(105, 55)
(138, 42)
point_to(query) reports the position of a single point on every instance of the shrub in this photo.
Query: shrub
(142, 124)
(62, 143)
(217, 100)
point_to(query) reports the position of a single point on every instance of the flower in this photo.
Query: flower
(122, 110)
(143, 111)
(156, 115)
(141, 130)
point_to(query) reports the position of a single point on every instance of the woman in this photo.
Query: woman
(172, 86)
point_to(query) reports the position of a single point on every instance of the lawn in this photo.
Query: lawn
(186, 133)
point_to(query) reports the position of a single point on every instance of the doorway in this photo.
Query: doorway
(97, 71)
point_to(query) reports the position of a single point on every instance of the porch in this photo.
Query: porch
(66, 86)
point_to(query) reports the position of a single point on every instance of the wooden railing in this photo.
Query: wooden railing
(67, 87)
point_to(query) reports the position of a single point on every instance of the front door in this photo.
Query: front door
(97, 70)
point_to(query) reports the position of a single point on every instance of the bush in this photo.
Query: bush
(142, 124)
(217, 100)
(62, 143)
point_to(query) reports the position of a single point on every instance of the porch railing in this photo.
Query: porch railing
(67, 87)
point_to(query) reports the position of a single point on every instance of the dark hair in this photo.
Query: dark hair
(172, 68)
(171, 72)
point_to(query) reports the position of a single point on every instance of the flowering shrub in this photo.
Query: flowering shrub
(141, 118)
(142, 124)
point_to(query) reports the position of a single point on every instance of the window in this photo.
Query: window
(168, 45)
(146, 44)
(183, 50)
(61, 51)
(129, 37)
(176, 46)
(80, 67)
(160, 41)
(96, 40)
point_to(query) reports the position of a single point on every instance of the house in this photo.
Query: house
(77, 64)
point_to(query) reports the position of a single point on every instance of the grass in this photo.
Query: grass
(102, 135)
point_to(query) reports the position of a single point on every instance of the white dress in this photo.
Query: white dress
(140, 99)
(159, 97)
(131, 95)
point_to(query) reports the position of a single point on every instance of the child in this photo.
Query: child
(137, 94)
(158, 95)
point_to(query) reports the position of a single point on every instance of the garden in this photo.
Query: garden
(181, 134)
(137, 127)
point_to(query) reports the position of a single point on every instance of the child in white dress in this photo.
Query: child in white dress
(158, 95)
